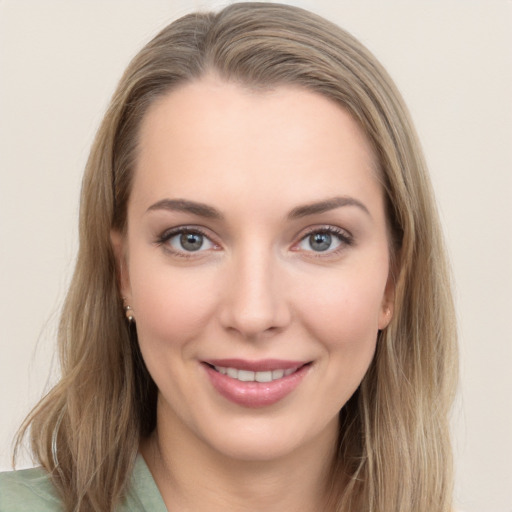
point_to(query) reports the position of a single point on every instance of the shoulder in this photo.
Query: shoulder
(28, 490)
(31, 490)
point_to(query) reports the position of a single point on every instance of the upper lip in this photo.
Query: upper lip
(261, 365)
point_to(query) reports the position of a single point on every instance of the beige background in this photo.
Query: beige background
(59, 63)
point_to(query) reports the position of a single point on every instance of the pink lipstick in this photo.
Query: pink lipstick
(255, 383)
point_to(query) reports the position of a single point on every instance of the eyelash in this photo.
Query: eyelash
(345, 239)
(166, 236)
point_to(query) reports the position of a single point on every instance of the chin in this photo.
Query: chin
(257, 448)
(267, 440)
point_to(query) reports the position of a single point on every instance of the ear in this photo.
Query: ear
(118, 241)
(388, 303)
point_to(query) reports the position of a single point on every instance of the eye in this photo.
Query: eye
(325, 240)
(186, 240)
(189, 242)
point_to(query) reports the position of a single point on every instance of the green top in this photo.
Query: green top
(31, 490)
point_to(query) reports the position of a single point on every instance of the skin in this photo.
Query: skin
(256, 289)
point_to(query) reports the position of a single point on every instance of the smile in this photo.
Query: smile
(256, 383)
(250, 376)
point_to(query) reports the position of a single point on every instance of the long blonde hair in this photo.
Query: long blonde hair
(394, 451)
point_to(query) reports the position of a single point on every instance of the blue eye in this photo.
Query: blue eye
(320, 241)
(186, 241)
(324, 240)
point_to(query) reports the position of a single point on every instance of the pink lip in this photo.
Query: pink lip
(263, 365)
(256, 394)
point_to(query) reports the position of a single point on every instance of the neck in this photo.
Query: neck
(191, 476)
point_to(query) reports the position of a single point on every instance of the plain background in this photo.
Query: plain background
(59, 64)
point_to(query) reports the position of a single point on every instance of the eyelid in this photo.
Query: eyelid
(168, 234)
(345, 237)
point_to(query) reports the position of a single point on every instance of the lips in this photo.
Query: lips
(255, 383)
(250, 376)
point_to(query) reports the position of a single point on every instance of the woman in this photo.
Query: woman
(260, 315)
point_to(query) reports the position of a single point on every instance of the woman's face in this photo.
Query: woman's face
(256, 262)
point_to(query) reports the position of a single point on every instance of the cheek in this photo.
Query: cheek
(344, 320)
(171, 305)
(345, 311)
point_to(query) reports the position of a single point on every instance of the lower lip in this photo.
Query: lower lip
(255, 394)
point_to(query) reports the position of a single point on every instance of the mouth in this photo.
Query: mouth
(256, 383)
(255, 376)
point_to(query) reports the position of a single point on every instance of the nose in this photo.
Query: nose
(254, 301)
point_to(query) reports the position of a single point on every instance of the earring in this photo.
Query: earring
(128, 311)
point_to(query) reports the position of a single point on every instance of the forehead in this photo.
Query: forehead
(211, 136)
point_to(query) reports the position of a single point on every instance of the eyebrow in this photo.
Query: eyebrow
(204, 210)
(183, 205)
(325, 206)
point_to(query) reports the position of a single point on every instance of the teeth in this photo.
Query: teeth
(245, 376)
(277, 374)
(263, 377)
(248, 376)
